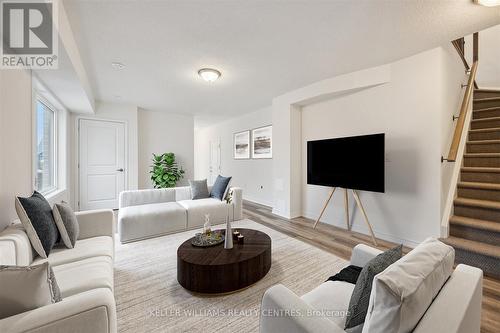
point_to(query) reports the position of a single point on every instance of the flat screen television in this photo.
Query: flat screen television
(356, 162)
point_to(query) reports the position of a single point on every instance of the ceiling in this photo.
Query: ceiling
(262, 48)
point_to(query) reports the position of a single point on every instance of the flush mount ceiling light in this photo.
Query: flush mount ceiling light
(117, 65)
(488, 3)
(209, 74)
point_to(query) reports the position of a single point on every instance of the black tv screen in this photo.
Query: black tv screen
(355, 162)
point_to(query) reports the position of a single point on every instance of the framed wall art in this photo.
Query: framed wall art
(262, 142)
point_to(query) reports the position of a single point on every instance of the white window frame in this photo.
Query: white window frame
(39, 98)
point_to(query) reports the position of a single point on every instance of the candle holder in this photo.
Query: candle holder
(240, 239)
(236, 233)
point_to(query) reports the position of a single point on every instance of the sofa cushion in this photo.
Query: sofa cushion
(197, 209)
(360, 299)
(36, 216)
(402, 293)
(84, 249)
(183, 193)
(332, 297)
(220, 187)
(67, 224)
(25, 288)
(84, 275)
(150, 220)
(199, 189)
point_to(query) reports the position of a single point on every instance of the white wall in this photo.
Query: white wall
(147, 132)
(108, 111)
(414, 110)
(287, 150)
(488, 71)
(254, 176)
(15, 140)
(453, 75)
(161, 132)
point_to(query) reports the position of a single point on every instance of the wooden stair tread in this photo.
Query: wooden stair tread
(483, 142)
(473, 246)
(484, 130)
(486, 90)
(488, 204)
(485, 119)
(480, 169)
(486, 99)
(493, 108)
(482, 155)
(479, 185)
(475, 223)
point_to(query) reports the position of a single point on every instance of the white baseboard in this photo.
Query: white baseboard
(257, 201)
(341, 224)
(280, 213)
(364, 230)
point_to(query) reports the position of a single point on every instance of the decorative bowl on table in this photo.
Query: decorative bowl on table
(207, 239)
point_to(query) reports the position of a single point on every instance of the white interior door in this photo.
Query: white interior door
(214, 166)
(101, 163)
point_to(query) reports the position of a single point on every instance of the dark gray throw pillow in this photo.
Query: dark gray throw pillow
(360, 298)
(67, 224)
(199, 189)
(36, 216)
(220, 187)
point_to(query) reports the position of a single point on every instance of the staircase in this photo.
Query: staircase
(475, 225)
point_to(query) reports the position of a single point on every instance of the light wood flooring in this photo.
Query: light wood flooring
(341, 241)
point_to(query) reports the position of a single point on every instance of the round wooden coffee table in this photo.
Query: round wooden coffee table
(215, 270)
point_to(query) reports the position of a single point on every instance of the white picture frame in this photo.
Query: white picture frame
(262, 142)
(241, 145)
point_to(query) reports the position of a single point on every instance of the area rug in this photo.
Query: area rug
(149, 298)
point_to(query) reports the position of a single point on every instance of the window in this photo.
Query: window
(45, 147)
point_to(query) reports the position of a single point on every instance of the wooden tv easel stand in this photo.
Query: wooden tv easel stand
(346, 207)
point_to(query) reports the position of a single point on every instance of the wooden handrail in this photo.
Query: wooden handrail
(452, 155)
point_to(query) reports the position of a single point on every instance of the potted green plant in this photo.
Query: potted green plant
(165, 172)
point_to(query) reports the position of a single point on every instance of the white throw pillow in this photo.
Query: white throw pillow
(24, 288)
(403, 291)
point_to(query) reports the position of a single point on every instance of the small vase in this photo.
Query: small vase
(207, 228)
(228, 241)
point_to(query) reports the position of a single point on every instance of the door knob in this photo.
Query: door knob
(120, 170)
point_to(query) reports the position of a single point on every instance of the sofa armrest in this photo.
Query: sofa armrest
(284, 311)
(95, 223)
(91, 311)
(15, 246)
(457, 307)
(362, 253)
(238, 203)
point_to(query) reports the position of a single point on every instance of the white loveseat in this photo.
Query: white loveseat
(151, 213)
(456, 308)
(84, 275)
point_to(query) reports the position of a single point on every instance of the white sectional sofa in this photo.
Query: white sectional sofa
(84, 275)
(455, 309)
(151, 213)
